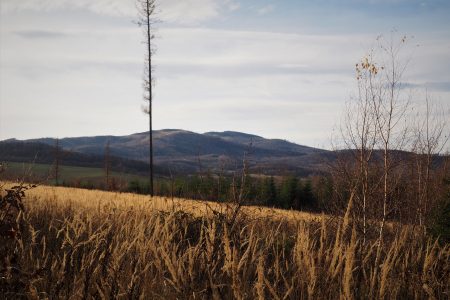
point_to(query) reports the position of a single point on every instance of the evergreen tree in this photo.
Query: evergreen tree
(306, 197)
(250, 191)
(269, 192)
(288, 192)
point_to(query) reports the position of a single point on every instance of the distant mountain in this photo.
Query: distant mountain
(277, 145)
(182, 151)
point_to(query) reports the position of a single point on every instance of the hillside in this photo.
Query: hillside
(40, 153)
(181, 151)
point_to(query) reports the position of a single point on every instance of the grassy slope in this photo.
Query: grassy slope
(67, 173)
(83, 244)
(123, 201)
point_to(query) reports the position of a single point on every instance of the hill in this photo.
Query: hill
(182, 151)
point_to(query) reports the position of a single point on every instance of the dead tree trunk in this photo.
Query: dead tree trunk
(146, 10)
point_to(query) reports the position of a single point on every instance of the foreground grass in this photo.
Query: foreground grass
(96, 199)
(84, 244)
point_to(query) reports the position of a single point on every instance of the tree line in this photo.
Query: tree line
(288, 192)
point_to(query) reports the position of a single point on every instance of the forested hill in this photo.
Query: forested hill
(181, 151)
(40, 153)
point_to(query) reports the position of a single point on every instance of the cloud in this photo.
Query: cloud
(107, 7)
(188, 11)
(210, 52)
(232, 6)
(439, 86)
(242, 70)
(172, 11)
(265, 9)
(442, 86)
(40, 34)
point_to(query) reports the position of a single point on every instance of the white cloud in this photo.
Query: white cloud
(265, 9)
(255, 52)
(107, 7)
(188, 11)
(232, 5)
(172, 11)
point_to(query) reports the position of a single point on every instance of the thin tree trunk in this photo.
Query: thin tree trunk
(149, 49)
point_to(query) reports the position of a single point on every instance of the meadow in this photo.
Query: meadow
(81, 244)
(68, 174)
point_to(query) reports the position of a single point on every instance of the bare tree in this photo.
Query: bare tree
(431, 136)
(358, 133)
(146, 9)
(374, 128)
(390, 107)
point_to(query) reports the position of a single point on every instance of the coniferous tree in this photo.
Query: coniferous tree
(269, 192)
(306, 198)
(288, 192)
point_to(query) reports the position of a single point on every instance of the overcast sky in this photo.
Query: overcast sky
(279, 69)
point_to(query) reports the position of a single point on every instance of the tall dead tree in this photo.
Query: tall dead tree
(146, 8)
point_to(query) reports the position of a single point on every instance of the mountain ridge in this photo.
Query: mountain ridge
(187, 151)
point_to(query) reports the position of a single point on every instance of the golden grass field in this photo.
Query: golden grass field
(81, 244)
(97, 199)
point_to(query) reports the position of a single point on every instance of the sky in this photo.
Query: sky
(275, 68)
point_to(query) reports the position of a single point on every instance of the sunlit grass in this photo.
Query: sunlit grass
(81, 244)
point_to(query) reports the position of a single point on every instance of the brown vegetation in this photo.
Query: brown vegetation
(83, 244)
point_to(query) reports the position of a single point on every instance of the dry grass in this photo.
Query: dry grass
(123, 201)
(90, 244)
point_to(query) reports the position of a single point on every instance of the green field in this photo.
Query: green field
(44, 172)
